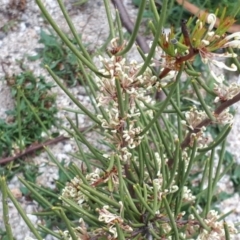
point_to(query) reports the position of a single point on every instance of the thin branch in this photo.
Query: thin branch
(37, 146)
(32, 148)
(208, 121)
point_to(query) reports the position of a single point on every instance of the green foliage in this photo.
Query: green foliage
(34, 112)
(59, 58)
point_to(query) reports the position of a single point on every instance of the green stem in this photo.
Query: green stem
(119, 232)
(201, 82)
(74, 32)
(227, 234)
(19, 120)
(79, 209)
(154, 10)
(104, 198)
(179, 124)
(171, 217)
(136, 28)
(175, 164)
(141, 199)
(210, 183)
(23, 215)
(5, 209)
(119, 98)
(82, 154)
(47, 230)
(109, 17)
(220, 164)
(177, 109)
(119, 25)
(164, 140)
(235, 60)
(35, 193)
(191, 161)
(59, 165)
(35, 114)
(200, 98)
(163, 106)
(87, 143)
(65, 39)
(60, 84)
(156, 37)
(200, 220)
(120, 177)
(67, 221)
(221, 137)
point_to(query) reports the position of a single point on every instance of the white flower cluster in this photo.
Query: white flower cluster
(211, 41)
(224, 92)
(162, 192)
(123, 127)
(187, 195)
(194, 117)
(111, 219)
(217, 228)
(72, 191)
(225, 117)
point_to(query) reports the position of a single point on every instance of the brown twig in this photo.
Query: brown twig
(32, 148)
(127, 23)
(37, 146)
(208, 121)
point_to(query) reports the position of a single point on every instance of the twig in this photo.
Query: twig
(37, 146)
(127, 23)
(207, 121)
(32, 148)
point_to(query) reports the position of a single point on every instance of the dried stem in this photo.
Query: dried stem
(36, 146)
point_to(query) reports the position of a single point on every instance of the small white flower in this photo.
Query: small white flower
(222, 65)
(113, 230)
(224, 117)
(226, 92)
(108, 217)
(205, 42)
(187, 195)
(233, 44)
(194, 117)
(235, 36)
(211, 19)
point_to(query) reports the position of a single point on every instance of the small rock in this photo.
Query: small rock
(67, 148)
(2, 35)
(16, 193)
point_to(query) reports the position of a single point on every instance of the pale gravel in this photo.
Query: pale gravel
(91, 22)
